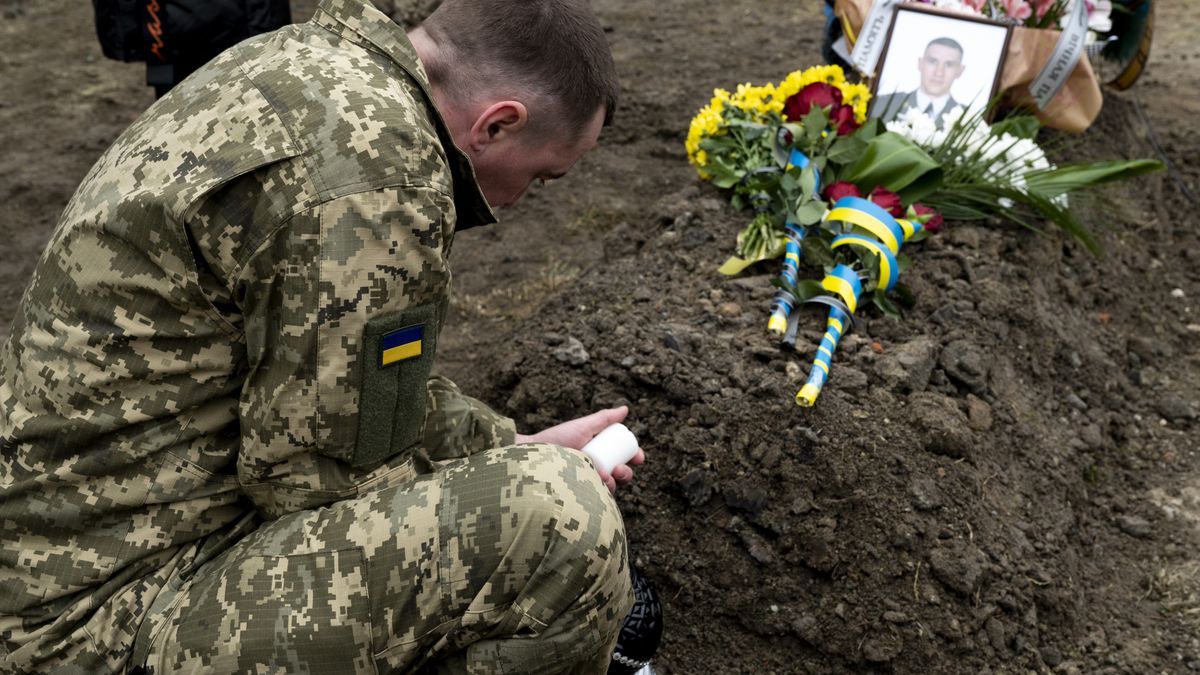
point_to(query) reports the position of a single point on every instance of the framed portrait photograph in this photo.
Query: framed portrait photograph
(935, 61)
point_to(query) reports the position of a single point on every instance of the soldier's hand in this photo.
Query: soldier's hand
(576, 433)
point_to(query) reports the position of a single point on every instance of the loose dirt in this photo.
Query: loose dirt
(1004, 480)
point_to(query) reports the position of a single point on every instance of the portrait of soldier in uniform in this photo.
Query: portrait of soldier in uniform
(940, 66)
(957, 63)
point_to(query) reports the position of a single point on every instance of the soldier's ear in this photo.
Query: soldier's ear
(499, 122)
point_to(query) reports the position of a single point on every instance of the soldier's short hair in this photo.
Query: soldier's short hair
(946, 42)
(553, 48)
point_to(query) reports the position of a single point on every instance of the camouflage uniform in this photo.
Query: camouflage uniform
(215, 456)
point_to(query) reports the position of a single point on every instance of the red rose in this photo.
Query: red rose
(934, 224)
(821, 94)
(836, 191)
(843, 120)
(887, 200)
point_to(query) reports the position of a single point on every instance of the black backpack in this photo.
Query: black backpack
(175, 37)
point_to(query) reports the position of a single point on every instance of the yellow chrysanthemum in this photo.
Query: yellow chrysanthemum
(828, 74)
(856, 96)
(719, 99)
(706, 124)
(799, 79)
(757, 101)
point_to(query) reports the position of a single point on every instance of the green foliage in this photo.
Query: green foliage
(896, 163)
(1070, 177)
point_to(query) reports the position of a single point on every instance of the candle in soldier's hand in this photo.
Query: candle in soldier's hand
(612, 447)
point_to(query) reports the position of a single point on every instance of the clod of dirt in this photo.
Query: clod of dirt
(571, 352)
(967, 365)
(979, 413)
(925, 494)
(961, 567)
(1134, 526)
(757, 548)
(1051, 656)
(1175, 408)
(882, 648)
(907, 367)
(749, 499)
(806, 628)
(697, 487)
(852, 380)
(817, 553)
(942, 426)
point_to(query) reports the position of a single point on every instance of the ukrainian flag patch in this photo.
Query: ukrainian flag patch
(402, 344)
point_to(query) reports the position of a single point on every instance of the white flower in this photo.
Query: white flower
(953, 115)
(955, 6)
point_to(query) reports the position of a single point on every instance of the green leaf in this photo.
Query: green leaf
(981, 201)
(815, 122)
(788, 183)
(895, 162)
(810, 212)
(1071, 177)
(807, 289)
(870, 129)
(885, 305)
(724, 181)
(808, 181)
(1021, 126)
(846, 149)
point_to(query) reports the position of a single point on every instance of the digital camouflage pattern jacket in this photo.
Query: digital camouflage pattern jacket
(234, 319)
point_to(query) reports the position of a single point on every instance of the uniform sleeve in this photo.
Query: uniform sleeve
(457, 425)
(342, 306)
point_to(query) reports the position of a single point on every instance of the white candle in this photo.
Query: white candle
(612, 447)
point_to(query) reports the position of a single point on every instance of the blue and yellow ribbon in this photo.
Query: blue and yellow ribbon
(800, 160)
(845, 280)
(784, 302)
(884, 237)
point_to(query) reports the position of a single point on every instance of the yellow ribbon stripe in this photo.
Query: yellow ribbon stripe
(907, 227)
(777, 324)
(867, 222)
(807, 395)
(843, 290)
(885, 267)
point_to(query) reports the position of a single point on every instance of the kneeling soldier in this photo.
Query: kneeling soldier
(222, 449)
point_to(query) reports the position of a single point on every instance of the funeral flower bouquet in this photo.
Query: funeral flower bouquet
(1000, 170)
(838, 192)
(824, 185)
(1033, 13)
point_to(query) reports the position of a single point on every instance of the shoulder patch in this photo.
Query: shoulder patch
(401, 344)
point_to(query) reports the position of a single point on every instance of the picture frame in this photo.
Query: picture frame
(929, 38)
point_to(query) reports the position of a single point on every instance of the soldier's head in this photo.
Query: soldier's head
(940, 66)
(525, 86)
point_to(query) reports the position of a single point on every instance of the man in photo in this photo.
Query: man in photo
(940, 66)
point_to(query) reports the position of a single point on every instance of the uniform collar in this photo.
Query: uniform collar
(358, 21)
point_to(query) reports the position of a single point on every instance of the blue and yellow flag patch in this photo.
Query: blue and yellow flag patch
(402, 344)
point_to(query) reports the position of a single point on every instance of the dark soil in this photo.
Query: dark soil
(1004, 480)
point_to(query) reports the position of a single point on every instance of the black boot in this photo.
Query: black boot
(641, 633)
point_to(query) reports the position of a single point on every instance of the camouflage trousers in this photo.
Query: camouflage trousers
(510, 560)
